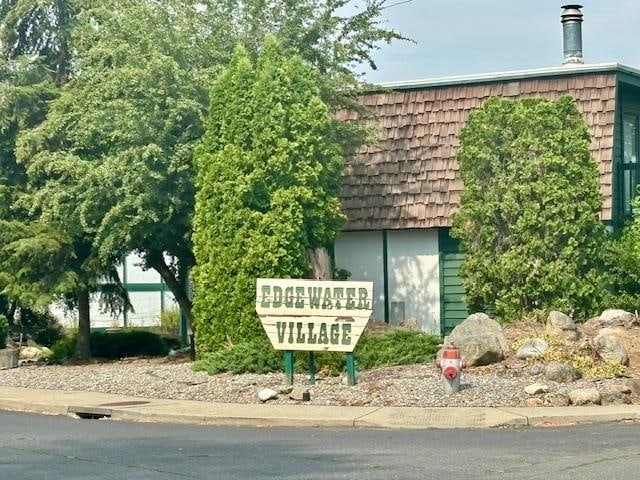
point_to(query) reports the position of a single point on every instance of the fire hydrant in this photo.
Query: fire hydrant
(451, 365)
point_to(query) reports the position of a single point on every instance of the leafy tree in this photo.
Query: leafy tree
(268, 175)
(528, 217)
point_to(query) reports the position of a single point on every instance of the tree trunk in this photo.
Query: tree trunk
(320, 262)
(83, 343)
(177, 287)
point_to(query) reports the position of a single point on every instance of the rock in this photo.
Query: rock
(30, 353)
(561, 372)
(536, 389)
(267, 394)
(297, 393)
(613, 397)
(535, 370)
(562, 325)
(621, 389)
(345, 379)
(534, 348)
(630, 340)
(593, 322)
(480, 339)
(611, 349)
(286, 390)
(556, 400)
(533, 402)
(585, 396)
(633, 384)
(9, 357)
(615, 317)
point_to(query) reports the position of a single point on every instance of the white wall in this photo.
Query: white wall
(414, 277)
(147, 305)
(413, 272)
(361, 254)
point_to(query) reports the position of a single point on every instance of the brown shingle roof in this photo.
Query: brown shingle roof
(410, 179)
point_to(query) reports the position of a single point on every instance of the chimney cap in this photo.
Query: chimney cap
(571, 12)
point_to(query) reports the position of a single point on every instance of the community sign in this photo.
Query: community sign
(314, 315)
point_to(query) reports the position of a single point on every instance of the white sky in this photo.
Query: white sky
(458, 37)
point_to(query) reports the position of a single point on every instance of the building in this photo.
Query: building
(399, 194)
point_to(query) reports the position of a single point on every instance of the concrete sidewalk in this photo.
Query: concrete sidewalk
(121, 407)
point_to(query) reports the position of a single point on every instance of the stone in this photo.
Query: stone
(584, 396)
(611, 349)
(31, 353)
(556, 400)
(286, 390)
(622, 388)
(267, 394)
(561, 372)
(613, 397)
(345, 379)
(535, 370)
(633, 384)
(562, 326)
(534, 348)
(630, 339)
(9, 358)
(480, 339)
(297, 393)
(533, 402)
(615, 317)
(536, 389)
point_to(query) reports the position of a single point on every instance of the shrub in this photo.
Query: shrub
(622, 259)
(42, 327)
(129, 343)
(170, 321)
(528, 216)
(4, 331)
(374, 350)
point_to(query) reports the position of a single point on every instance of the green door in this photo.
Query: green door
(454, 310)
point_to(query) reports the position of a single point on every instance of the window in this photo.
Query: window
(630, 165)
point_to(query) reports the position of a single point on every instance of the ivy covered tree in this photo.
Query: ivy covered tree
(268, 173)
(528, 216)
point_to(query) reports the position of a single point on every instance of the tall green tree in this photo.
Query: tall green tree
(268, 174)
(528, 217)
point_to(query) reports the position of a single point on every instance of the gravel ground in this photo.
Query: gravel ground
(412, 385)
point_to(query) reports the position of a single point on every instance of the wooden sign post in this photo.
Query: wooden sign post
(314, 315)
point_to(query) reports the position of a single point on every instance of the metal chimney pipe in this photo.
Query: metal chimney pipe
(572, 34)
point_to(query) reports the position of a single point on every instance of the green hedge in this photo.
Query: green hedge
(129, 343)
(374, 350)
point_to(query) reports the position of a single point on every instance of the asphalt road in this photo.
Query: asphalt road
(34, 447)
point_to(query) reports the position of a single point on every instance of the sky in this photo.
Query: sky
(462, 37)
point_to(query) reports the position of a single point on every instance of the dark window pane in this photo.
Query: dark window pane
(629, 134)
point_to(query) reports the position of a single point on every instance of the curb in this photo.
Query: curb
(82, 404)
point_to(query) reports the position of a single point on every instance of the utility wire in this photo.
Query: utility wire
(397, 3)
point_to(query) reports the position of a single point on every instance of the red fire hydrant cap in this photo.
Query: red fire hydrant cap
(450, 373)
(451, 353)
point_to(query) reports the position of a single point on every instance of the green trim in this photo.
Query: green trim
(385, 275)
(312, 368)
(144, 287)
(441, 280)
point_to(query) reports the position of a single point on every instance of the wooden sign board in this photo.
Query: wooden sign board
(314, 315)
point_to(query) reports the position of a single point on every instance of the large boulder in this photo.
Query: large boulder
(561, 372)
(615, 317)
(611, 349)
(561, 325)
(630, 340)
(533, 348)
(480, 339)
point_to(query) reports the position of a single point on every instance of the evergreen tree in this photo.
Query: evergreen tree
(528, 217)
(268, 174)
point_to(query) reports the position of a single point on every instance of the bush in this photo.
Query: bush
(528, 216)
(170, 321)
(42, 327)
(374, 350)
(129, 343)
(622, 259)
(4, 331)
